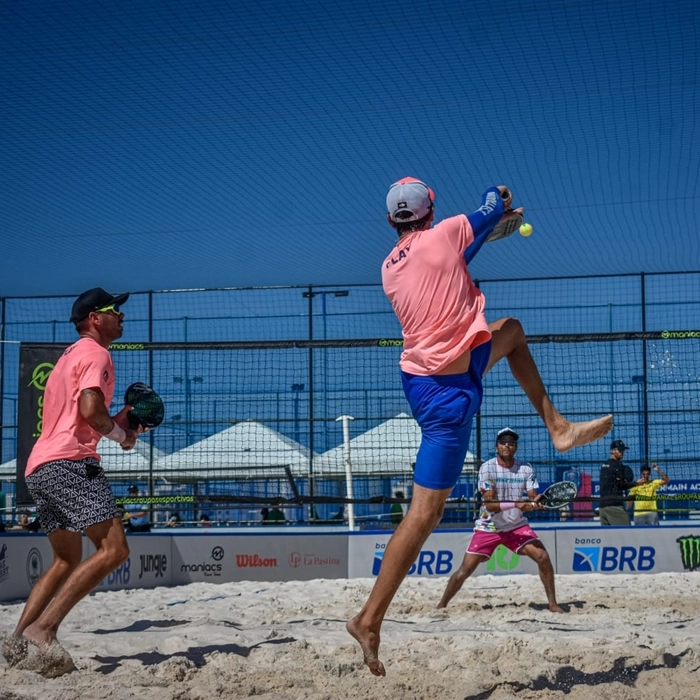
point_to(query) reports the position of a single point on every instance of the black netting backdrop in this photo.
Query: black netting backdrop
(256, 382)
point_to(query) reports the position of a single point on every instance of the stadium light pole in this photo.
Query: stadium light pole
(188, 381)
(638, 379)
(324, 294)
(297, 389)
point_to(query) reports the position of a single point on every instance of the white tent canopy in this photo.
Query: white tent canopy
(389, 448)
(247, 449)
(8, 470)
(132, 464)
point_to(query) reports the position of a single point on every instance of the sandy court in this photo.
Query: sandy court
(631, 637)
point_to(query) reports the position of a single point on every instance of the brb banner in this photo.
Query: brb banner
(441, 555)
(628, 550)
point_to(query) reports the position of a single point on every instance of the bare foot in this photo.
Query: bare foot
(553, 607)
(39, 637)
(571, 435)
(14, 649)
(369, 643)
(51, 660)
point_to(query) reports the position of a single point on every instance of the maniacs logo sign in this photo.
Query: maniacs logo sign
(206, 567)
(589, 559)
(690, 552)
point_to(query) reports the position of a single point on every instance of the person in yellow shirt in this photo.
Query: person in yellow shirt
(644, 495)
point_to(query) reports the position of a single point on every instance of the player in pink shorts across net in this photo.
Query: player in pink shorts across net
(502, 482)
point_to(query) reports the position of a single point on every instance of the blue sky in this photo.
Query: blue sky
(176, 144)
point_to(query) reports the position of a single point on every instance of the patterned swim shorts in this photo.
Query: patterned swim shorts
(71, 495)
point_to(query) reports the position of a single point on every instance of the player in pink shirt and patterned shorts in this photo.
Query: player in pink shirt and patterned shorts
(448, 347)
(66, 481)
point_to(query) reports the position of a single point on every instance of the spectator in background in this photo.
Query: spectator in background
(135, 516)
(615, 479)
(277, 516)
(204, 520)
(265, 516)
(396, 512)
(173, 520)
(340, 515)
(644, 496)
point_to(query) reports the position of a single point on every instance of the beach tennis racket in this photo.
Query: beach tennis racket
(506, 227)
(558, 495)
(147, 409)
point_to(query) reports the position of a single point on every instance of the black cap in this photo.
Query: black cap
(508, 431)
(618, 445)
(92, 300)
(133, 487)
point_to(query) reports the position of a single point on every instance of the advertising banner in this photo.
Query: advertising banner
(441, 555)
(258, 557)
(149, 563)
(23, 559)
(36, 361)
(628, 550)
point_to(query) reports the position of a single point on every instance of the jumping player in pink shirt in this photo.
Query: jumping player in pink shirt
(66, 481)
(448, 348)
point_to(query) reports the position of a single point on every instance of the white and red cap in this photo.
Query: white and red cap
(409, 199)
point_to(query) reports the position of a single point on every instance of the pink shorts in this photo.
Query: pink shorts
(484, 543)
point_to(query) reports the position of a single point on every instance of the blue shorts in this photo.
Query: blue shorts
(444, 406)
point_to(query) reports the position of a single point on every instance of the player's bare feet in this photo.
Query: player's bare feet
(49, 660)
(14, 649)
(568, 435)
(37, 636)
(553, 607)
(369, 643)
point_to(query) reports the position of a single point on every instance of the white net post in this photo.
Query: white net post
(348, 469)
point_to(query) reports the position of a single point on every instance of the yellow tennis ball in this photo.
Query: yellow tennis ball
(526, 230)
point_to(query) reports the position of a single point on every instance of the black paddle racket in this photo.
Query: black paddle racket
(558, 495)
(147, 409)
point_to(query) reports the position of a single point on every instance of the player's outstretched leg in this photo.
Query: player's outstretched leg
(456, 581)
(509, 340)
(401, 551)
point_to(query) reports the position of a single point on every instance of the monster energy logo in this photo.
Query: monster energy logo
(690, 552)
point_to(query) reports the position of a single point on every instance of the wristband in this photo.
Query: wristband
(508, 506)
(116, 433)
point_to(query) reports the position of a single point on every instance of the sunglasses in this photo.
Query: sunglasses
(112, 308)
(507, 442)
